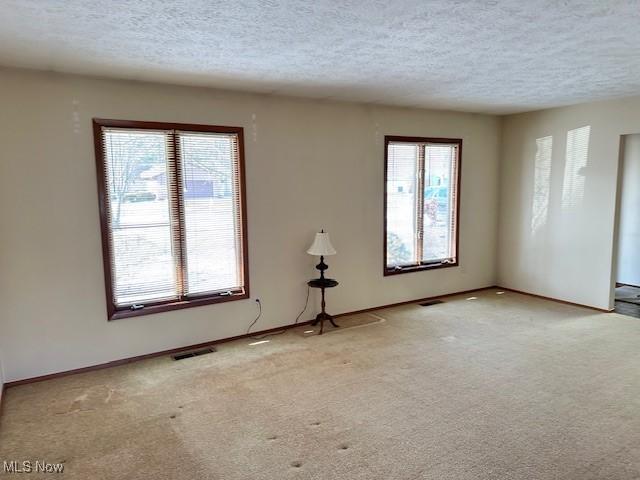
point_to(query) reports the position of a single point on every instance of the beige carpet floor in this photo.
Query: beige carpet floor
(498, 387)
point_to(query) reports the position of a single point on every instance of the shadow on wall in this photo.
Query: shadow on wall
(575, 168)
(574, 171)
(541, 183)
(557, 205)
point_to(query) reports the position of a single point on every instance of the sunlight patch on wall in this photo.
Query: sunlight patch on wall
(576, 161)
(541, 183)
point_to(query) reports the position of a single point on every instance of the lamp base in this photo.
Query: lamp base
(322, 266)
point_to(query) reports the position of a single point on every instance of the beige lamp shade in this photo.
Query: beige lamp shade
(321, 245)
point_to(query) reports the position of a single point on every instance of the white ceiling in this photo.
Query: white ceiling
(497, 56)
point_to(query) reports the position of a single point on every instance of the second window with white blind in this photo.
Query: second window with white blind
(422, 178)
(173, 215)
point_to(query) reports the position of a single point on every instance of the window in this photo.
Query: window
(173, 215)
(422, 183)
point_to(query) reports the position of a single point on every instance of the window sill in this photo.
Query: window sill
(417, 268)
(176, 305)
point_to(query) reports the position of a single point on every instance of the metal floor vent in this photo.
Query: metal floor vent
(431, 302)
(193, 353)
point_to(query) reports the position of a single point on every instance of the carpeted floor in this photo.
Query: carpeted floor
(498, 387)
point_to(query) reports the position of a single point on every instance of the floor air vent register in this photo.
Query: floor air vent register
(431, 302)
(193, 353)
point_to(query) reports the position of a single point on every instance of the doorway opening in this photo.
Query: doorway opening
(626, 265)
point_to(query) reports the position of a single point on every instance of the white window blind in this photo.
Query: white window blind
(402, 187)
(212, 214)
(421, 203)
(172, 205)
(440, 200)
(140, 222)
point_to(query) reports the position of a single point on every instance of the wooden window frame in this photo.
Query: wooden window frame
(113, 312)
(387, 271)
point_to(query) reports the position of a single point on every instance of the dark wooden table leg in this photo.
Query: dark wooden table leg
(322, 312)
(322, 316)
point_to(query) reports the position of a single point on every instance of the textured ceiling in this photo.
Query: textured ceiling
(482, 56)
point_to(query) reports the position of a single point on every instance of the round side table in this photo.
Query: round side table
(323, 283)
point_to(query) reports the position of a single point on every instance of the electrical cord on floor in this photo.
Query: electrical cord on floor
(306, 304)
(258, 317)
(280, 332)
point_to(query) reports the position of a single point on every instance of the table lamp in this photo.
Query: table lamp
(321, 247)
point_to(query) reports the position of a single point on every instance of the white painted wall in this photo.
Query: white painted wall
(1, 379)
(310, 164)
(1, 374)
(569, 255)
(628, 256)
